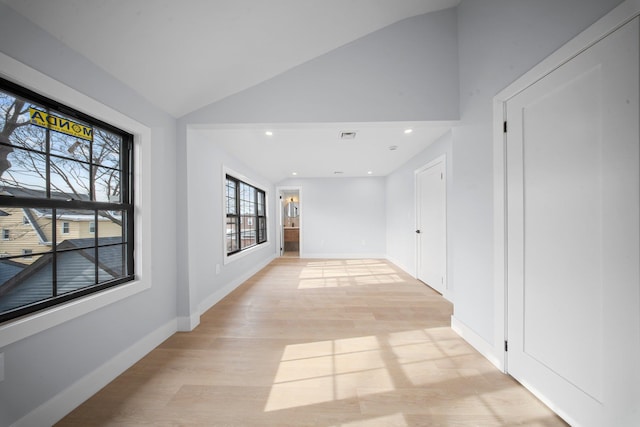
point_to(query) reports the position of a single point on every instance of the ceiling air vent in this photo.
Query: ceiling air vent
(348, 134)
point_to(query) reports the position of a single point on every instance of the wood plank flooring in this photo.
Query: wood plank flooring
(318, 343)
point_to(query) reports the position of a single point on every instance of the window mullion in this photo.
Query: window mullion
(48, 160)
(54, 251)
(95, 244)
(238, 216)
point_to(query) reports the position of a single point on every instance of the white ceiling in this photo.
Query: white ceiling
(316, 150)
(183, 55)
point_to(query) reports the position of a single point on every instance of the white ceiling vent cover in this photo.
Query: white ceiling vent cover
(348, 134)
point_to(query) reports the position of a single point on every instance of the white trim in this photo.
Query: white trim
(30, 78)
(344, 256)
(280, 221)
(398, 264)
(442, 159)
(499, 231)
(483, 347)
(188, 323)
(217, 296)
(622, 14)
(61, 404)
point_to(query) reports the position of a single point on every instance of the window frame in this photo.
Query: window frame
(256, 216)
(126, 205)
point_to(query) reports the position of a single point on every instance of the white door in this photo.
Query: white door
(431, 230)
(573, 235)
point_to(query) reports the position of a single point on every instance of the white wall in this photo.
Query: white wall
(205, 220)
(341, 217)
(49, 373)
(407, 71)
(401, 206)
(498, 41)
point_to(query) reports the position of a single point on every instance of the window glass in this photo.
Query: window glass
(66, 211)
(246, 224)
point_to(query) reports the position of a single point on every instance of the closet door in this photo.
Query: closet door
(432, 225)
(573, 234)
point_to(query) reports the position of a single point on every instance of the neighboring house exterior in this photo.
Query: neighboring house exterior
(25, 232)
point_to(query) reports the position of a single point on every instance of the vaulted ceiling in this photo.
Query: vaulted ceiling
(183, 55)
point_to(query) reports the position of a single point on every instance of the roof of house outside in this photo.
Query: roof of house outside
(8, 269)
(70, 214)
(34, 193)
(75, 270)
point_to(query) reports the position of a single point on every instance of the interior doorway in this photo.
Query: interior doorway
(290, 222)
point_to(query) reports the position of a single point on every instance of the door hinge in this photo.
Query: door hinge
(441, 175)
(506, 345)
(504, 126)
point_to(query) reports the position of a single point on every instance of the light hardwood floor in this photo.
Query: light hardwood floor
(318, 343)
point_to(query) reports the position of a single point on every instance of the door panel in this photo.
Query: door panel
(573, 234)
(432, 246)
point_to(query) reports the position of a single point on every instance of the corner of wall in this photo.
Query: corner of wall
(476, 341)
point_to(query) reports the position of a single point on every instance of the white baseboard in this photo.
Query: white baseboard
(60, 405)
(216, 297)
(188, 323)
(401, 266)
(342, 256)
(477, 342)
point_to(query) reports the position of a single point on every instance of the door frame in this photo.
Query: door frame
(619, 16)
(416, 196)
(280, 220)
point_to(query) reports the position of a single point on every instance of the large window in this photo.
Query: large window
(246, 222)
(60, 170)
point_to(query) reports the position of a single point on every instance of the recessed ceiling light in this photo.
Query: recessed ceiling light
(393, 148)
(294, 173)
(370, 172)
(268, 133)
(408, 131)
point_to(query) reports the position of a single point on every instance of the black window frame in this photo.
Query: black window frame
(235, 214)
(125, 206)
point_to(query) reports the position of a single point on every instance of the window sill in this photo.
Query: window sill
(238, 255)
(24, 327)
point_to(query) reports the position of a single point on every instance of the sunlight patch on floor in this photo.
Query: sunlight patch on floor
(327, 371)
(340, 276)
